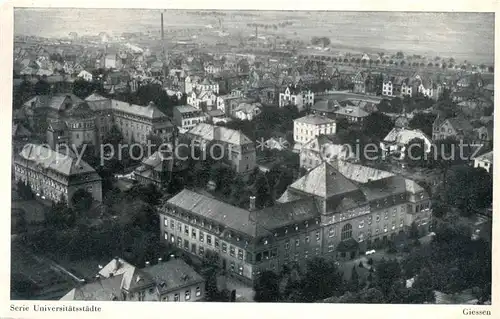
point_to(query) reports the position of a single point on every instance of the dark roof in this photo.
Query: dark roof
(287, 213)
(460, 124)
(173, 274)
(102, 289)
(384, 187)
(324, 181)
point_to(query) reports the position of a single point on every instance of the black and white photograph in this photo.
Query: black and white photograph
(269, 156)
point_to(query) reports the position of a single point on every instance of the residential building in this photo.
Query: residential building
(485, 161)
(427, 87)
(176, 280)
(56, 174)
(353, 113)
(457, 128)
(302, 99)
(310, 126)
(247, 112)
(360, 80)
(195, 82)
(186, 117)
(237, 150)
(321, 214)
(398, 139)
(87, 76)
(202, 100)
(397, 86)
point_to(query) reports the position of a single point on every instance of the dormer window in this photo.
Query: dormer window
(296, 227)
(265, 241)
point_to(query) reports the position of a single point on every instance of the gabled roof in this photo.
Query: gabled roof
(353, 111)
(460, 124)
(287, 213)
(326, 105)
(50, 159)
(486, 157)
(213, 209)
(101, 289)
(219, 133)
(150, 111)
(359, 173)
(314, 119)
(324, 181)
(132, 276)
(173, 274)
(382, 188)
(404, 136)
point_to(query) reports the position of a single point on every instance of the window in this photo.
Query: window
(331, 232)
(306, 224)
(179, 242)
(346, 232)
(202, 236)
(361, 224)
(224, 247)
(172, 224)
(306, 254)
(187, 295)
(376, 231)
(186, 244)
(403, 209)
(179, 226)
(232, 266)
(216, 242)
(198, 291)
(240, 270)
(240, 254)
(393, 226)
(330, 248)
(296, 257)
(385, 228)
(370, 220)
(394, 211)
(201, 251)
(296, 227)
(176, 297)
(231, 251)
(165, 222)
(193, 248)
(286, 230)
(401, 222)
(166, 236)
(360, 237)
(274, 253)
(193, 233)
(186, 229)
(377, 218)
(287, 245)
(307, 239)
(316, 250)
(209, 240)
(386, 214)
(318, 237)
(297, 242)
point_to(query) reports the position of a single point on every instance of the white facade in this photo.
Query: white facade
(301, 99)
(387, 88)
(309, 127)
(205, 97)
(87, 76)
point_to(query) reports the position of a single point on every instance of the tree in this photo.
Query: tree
(82, 200)
(414, 233)
(377, 125)
(422, 121)
(415, 152)
(422, 290)
(263, 191)
(321, 280)
(267, 287)
(354, 283)
(387, 273)
(400, 55)
(42, 87)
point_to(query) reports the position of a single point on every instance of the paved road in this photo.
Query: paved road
(346, 95)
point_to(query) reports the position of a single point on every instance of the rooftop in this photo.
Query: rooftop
(314, 120)
(173, 274)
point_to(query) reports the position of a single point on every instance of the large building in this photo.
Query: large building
(310, 126)
(235, 148)
(65, 118)
(323, 213)
(397, 142)
(55, 175)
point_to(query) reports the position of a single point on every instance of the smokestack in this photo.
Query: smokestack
(162, 32)
(252, 203)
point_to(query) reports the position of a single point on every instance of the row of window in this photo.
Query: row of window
(187, 295)
(201, 252)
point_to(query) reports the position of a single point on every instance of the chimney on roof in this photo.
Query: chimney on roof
(252, 203)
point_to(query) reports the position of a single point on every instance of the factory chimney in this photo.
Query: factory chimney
(162, 32)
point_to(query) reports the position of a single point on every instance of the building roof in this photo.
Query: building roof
(287, 213)
(326, 106)
(55, 102)
(65, 164)
(102, 289)
(460, 124)
(324, 181)
(132, 276)
(213, 209)
(314, 120)
(486, 157)
(247, 108)
(404, 136)
(360, 173)
(173, 274)
(186, 109)
(383, 188)
(149, 111)
(219, 133)
(353, 111)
